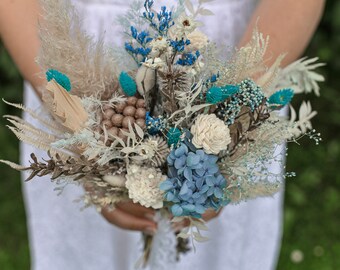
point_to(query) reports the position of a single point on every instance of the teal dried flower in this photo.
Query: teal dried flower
(173, 136)
(214, 95)
(282, 97)
(229, 90)
(127, 84)
(60, 78)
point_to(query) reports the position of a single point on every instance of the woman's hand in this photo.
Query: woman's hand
(131, 216)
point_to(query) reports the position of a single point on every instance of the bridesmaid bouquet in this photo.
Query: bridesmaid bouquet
(166, 121)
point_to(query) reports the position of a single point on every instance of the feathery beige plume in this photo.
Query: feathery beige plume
(66, 108)
(66, 47)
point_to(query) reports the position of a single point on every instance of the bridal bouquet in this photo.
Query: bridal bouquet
(167, 121)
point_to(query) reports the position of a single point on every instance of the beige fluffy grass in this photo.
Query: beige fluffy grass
(65, 46)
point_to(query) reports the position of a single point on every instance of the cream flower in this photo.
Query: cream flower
(184, 26)
(143, 185)
(154, 63)
(210, 133)
(158, 46)
(198, 41)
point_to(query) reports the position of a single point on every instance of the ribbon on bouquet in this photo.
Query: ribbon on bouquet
(163, 250)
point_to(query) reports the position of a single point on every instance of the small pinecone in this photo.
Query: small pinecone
(161, 149)
(117, 119)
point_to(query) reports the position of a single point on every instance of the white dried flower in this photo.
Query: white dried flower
(143, 185)
(210, 133)
(154, 63)
(198, 41)
(184, 26)
(153, 151)
(115, 180)
(158, 46)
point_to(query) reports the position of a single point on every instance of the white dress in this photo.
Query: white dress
(246, 236)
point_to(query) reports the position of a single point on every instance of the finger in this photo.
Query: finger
(136, 210)
(129, 222)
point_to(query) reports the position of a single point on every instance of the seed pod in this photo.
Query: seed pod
(129, 111)
(140, 113)
(113, 131)
(141, 122)
(120, 107)
(117, 120)
(140, 103)
(107, 124)
(108, 113)
(127, 120)
(132, 101)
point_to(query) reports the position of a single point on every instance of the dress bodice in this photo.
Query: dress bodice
(225, 27)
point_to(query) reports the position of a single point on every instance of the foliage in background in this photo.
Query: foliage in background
(311, 237)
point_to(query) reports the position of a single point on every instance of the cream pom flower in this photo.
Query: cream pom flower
(158, 46)
(143, 185)
(210, 133)
(198, 41)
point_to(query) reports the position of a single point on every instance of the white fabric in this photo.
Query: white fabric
(244, 237)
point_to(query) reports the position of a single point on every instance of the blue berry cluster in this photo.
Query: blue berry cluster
(165, 19)
(154, 125)
(142, 39)
(249, 94)
(179, 45)
(194, 182)
(188, 59)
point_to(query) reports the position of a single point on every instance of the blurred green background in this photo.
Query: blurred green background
(311, 237)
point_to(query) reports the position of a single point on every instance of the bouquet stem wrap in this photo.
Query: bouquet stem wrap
(163, 250)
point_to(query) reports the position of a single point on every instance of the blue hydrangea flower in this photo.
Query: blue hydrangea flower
(173, 135)
(127, 84)
(60, 78)
(282, 97)
(194, 182)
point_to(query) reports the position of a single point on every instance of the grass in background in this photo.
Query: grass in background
(311, 239)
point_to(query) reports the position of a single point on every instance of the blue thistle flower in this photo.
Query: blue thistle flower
(127, 84)
(174, 135)
(194, 182)
(60, 78)
(281, 97)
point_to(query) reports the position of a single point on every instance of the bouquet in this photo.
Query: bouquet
(167, 122)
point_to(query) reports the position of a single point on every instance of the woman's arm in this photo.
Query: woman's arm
(19, 33)
(290, 25)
